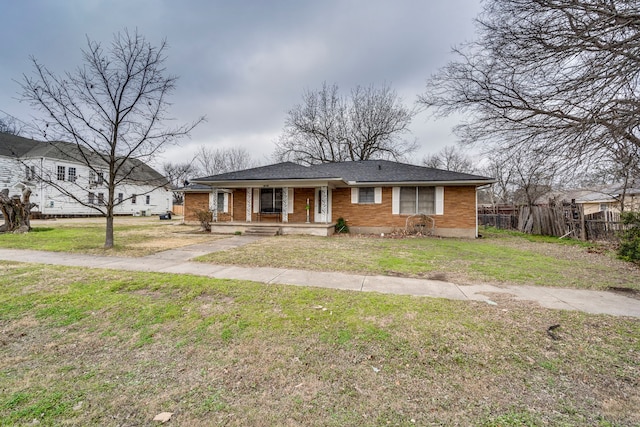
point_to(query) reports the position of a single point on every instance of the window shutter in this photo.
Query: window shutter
(354, 195)
(395, 200)
(256, 200)
(290, 201)
(439, 200)
(377, 197)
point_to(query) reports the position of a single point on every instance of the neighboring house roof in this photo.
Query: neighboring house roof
(605, 194)
(24, 148)
(352, 173)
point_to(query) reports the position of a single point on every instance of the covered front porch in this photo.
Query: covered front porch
(287, 208)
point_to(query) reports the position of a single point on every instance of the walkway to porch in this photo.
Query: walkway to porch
(313, 229)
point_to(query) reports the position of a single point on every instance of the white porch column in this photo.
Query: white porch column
(285, 204)
(214, 203)
(324, 204)
(248, 204)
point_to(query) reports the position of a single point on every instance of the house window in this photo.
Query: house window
(604, 207)
(221, 202)
(120, 197)
(101, 199)
(133, 199)
(72, 174)
(366, 195)
(270, 200)
(92, 178)
(147, 199)
(30, 173)
(100, 178)
(417, 200)
(91, 198)
(61, 173)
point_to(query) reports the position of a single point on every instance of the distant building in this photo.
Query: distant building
(24, 162)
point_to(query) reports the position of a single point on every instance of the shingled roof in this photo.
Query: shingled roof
(352, 173)
(23, 148)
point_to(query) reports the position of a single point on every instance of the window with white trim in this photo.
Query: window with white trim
(270, 200)
(221, 207)
(133, 199)
(91, 198)
(72, 174)
(101, 199)
(61, 173)
(366, 195)
(147, 199)
(30, 173)
(417, 200)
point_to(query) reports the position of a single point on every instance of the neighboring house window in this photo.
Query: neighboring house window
(120, 197)
(366, 195)
(30, 173)
(133, 199)
(604, 207)
(417, 200)
(61, 173)
(270, 200)
(92, 178)
(101, 199)
(100, 178)
(147, 199)
(91, 198)
(72, 174)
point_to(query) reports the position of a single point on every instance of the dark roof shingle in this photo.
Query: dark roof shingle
(357, 172)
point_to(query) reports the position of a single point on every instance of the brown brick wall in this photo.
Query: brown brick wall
(194, 202)
(239, 204)
(459, 209)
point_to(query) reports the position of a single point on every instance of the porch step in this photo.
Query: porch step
(263, 231)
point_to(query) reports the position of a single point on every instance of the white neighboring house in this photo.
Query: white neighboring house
(23, 161)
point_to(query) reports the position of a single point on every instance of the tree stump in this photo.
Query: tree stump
(16, 212)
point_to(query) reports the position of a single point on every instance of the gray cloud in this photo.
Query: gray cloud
(244, 64)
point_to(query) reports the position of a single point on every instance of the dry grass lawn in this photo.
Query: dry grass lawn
(97, 347)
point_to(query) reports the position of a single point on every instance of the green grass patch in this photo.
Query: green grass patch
(499, 257)
(99, 347)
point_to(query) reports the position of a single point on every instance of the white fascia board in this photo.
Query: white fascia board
(418, 183)
(295, 183)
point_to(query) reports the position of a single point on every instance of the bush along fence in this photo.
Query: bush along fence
(562, 220)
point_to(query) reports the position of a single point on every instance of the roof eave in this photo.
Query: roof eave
(417, 183)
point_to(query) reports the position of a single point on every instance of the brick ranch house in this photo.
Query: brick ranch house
(373, 196)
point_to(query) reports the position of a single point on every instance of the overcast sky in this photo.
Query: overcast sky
(244, 64)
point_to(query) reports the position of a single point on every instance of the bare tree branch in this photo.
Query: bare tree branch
(327, 127)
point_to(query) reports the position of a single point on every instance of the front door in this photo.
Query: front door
(322, 208)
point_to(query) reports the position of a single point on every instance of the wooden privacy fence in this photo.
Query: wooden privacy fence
(566, 220)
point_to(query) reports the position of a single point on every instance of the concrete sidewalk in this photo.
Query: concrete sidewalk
(177, 261)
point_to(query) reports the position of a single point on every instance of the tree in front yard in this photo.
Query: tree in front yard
(112, 110)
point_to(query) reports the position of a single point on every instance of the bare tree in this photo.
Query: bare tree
(178, 173)
(222, 160)
(450, 158)
(554, 76)
(110, 111)
(328, 127)
(10, 125)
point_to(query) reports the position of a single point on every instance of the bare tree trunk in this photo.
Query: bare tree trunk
(16, 212)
